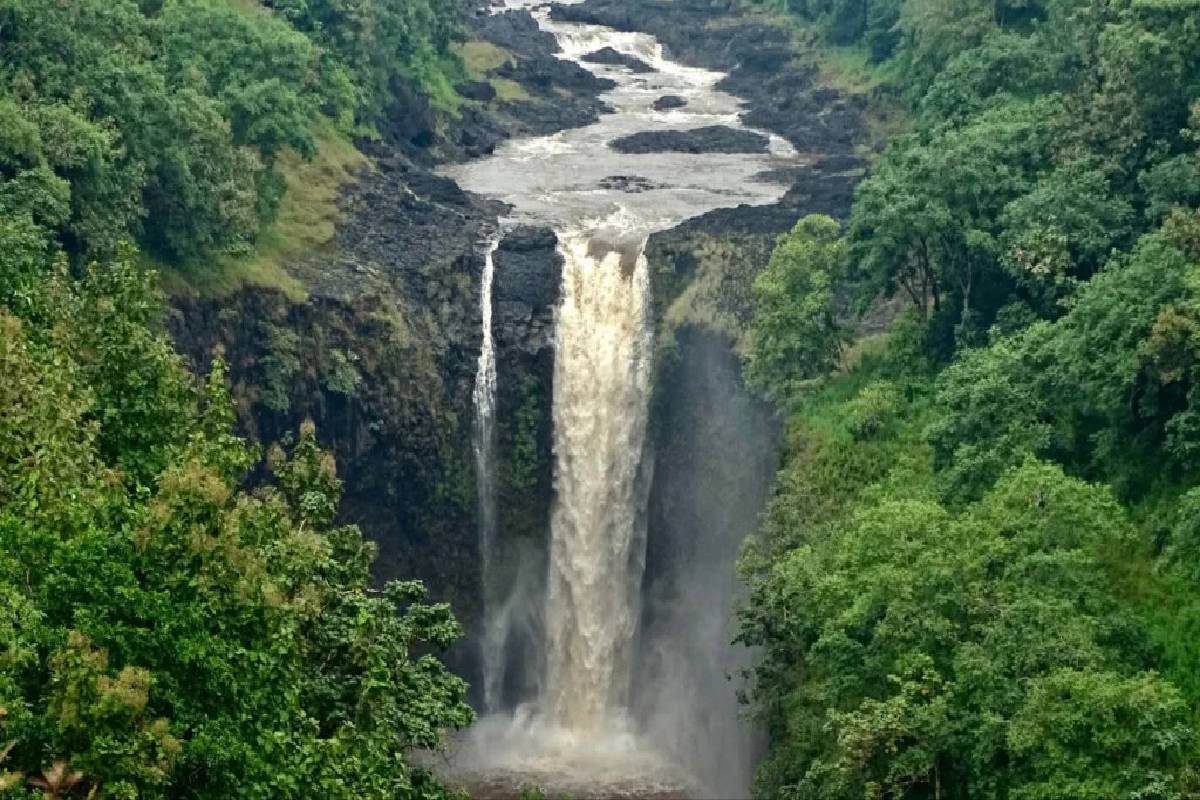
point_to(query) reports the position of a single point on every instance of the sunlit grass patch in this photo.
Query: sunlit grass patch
(508, 91)
(481, 57)
(307, 221)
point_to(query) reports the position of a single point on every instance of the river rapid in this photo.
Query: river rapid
(577, 735)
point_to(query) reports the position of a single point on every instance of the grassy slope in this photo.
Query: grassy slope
(844, 68)
(306, 223)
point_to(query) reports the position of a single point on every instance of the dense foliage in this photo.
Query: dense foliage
(164, 632)
(162, 119)
(977, 576)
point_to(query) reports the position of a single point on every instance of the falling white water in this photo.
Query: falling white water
(492, 651)
(601, 396)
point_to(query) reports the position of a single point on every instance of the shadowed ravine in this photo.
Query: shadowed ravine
(578, 728)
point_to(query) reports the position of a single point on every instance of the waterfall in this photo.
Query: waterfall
(602, 377)
(491, 644)
(561, 633)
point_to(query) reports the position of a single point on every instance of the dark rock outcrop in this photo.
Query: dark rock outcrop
(479, 91)
(631, 184)
(668, 102)
(545, 74)
(515, 31)
(554, 94)
(528, 277)
(561, 95)
(613, 57)
(709, 139)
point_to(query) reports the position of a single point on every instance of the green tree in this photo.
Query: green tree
(908, 650)
(169, 633)
(794, 335)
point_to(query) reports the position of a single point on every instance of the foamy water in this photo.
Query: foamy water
(556, 180)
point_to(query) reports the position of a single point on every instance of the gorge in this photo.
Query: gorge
(519, 484)
(572, 630)
(637, 399)
(570, 320)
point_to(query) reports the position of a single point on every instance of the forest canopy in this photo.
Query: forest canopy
(162, 120)
(977, 576)
(170, 624)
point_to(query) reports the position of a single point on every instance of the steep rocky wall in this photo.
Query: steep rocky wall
(528, 277)
(528, 274)
(382, 353)
(387, 403)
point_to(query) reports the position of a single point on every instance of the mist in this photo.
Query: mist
(716, 452)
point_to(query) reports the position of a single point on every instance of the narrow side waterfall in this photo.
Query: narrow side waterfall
(602, 374)
(491, 651)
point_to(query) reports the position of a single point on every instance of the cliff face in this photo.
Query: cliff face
(528, 274)
(382, 353)
(382, 356)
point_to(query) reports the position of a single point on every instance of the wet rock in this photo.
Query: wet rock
(477, 134)
(561, 93)
(778, 84)
(528, 268)
(614, 57)
(710, 139)
(631, 184)
(545, 73)
(554, 94)
(668, 102)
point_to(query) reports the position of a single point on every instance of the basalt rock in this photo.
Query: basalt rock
(479, 91)
(668, 102)
(561, 93)
(630, 184)
(710, 139)
(528, 277)
(613, 57)
(515, 31)
(554, 94)
(778, 83)
(545, 73)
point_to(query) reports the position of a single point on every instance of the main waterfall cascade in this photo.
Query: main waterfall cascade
(601, 389)
(576, 733)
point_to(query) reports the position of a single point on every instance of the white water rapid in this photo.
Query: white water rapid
(579, 736)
